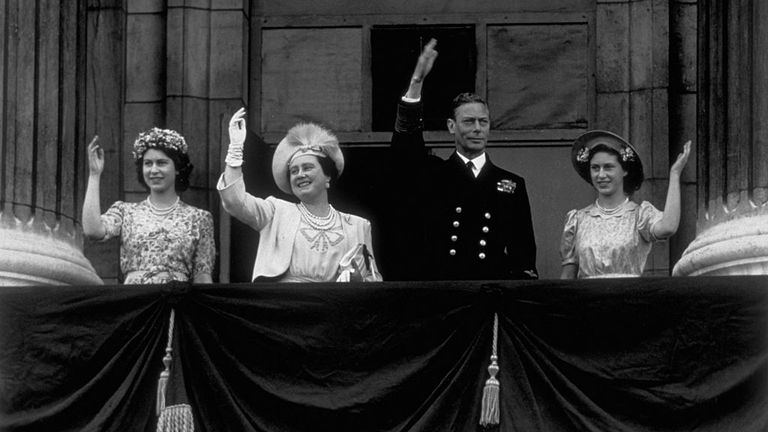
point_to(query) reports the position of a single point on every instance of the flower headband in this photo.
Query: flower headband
(626, 154)
(160, 139)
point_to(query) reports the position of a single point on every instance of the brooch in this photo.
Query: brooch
(506, 186)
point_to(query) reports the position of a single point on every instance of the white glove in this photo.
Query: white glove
(236, 139)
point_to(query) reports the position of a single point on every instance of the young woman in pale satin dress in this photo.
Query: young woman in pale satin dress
(613, 236)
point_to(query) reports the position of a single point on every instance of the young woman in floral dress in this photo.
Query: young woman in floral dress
(162, 239)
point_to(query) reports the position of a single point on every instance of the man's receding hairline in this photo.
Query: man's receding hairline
(485, 105)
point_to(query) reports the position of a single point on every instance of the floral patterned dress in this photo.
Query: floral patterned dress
(614, 244)
(159, 248)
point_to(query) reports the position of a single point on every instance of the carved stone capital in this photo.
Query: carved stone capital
(736, 246)
(34, 253)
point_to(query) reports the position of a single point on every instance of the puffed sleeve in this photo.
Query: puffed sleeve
(648, 216)
(206, 246)
(113, 220)
(568, 241)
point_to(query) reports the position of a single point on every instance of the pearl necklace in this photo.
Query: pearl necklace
(162, 211)
(613, 210)
(319, 223)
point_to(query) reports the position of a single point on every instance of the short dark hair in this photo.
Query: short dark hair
(329, 168)
(180, 161)
(463, 99)
(634, 178)
(327, 165)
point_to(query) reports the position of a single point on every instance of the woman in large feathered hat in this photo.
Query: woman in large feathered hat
(612, 237)
(308, 241)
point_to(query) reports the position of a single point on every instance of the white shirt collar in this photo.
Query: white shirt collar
(478, 162)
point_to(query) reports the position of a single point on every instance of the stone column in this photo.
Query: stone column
(207, 81)
(40, 140)
(732, 147)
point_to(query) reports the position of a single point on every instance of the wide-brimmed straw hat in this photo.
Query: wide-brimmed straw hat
(580, 152)
(303, 139)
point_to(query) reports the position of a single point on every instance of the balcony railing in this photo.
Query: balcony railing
(672, 354)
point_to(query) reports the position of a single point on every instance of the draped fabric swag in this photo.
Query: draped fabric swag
(662, 354)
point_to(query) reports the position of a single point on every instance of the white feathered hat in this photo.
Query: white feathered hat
(303, 139)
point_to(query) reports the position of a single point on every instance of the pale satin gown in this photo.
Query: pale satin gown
(613, 243)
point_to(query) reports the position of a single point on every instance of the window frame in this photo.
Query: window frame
(480, 21)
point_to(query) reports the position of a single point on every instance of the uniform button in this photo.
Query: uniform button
(487, 215)
(454, 238)
(455, 224)
(452, 252)
(485, 229)
(481, 256)
(458, 209)
(482, 243)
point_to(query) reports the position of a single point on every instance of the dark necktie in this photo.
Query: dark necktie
(471, 167)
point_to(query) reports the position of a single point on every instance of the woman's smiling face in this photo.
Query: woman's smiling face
(308, 181)
(159, 170)
(607, 173)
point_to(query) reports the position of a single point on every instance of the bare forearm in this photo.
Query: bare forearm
(671, 218)
(669, 222)
(420, 72)
(414, 89)
(92, 225)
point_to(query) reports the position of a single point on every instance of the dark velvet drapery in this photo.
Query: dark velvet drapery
(666, 354)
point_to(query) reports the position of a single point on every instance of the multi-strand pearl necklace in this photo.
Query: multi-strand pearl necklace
(319, 223)
(162, 211)
(613, 210)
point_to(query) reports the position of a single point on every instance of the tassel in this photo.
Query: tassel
(176, 418)
(490, 406)
(161, 393)
(162, 383)
(489, 409)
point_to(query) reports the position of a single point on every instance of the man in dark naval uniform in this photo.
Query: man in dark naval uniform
(470, 219)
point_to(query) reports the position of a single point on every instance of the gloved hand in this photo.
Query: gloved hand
(236, 139)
